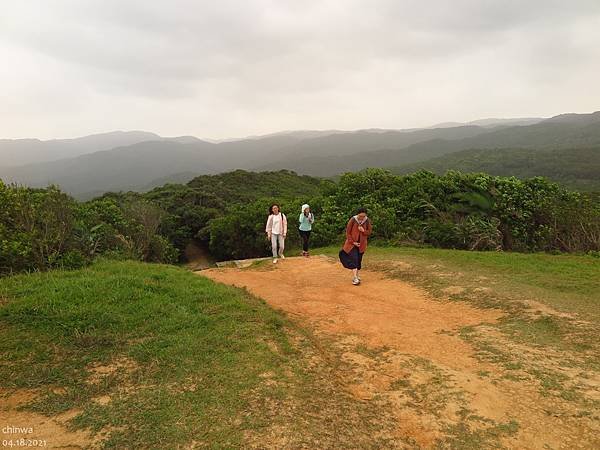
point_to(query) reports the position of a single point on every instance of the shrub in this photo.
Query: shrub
(45, 228)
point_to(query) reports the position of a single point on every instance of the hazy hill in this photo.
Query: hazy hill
(574, 168)
(135, 167)
(561, 132)
(581, 119)
(576, 131)
(145, 164)
(16, 152)
(492, 122)
(349, 143)
(126, 168)
(299, 134)
(175, 178)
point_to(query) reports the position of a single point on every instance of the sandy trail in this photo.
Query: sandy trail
(29, 429)
(383, 311)
(419, 340)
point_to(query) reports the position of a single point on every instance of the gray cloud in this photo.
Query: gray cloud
(232, 68)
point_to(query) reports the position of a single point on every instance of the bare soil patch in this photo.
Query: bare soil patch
(54, 431)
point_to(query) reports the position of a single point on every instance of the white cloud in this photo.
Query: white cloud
(230, 68)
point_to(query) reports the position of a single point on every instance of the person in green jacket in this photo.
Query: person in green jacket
(306, 220)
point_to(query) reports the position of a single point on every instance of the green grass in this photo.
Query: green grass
(462, 437)
(196, 349)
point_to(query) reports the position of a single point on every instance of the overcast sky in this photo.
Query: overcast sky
(235, 68)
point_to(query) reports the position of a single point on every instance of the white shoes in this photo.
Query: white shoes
(282, 256)
(356, 281)
(274, 260)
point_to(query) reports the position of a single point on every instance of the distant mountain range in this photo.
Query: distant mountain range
(16, 152)
(138, 160)
(560, 132)
(489, 123)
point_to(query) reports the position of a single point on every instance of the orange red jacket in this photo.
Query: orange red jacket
(354, 235)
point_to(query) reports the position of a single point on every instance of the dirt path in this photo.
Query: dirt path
(403, 351)
(29, 429)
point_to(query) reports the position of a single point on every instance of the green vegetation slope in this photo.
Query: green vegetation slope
(577, 169)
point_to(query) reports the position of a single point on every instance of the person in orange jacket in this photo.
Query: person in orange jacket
(358, 230)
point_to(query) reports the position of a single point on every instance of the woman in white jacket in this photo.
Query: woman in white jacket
(276, 230)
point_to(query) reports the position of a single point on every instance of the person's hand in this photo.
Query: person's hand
(284, 236)
(357, 244)
(361, 229)
(269, 236)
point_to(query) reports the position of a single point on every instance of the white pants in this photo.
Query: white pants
(277, 239)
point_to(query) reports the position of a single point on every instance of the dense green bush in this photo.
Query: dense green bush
(468, 211)
(36, 228)
(240, 233)
(200, 211)
(189, 211)
(45, 228)
(463, 211)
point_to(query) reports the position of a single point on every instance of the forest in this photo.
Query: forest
(44, 228)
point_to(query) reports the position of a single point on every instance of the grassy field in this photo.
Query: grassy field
(173, 355)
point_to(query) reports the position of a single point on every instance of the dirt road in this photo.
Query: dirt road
(405, 351)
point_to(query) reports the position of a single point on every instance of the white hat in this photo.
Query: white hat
(305, 206)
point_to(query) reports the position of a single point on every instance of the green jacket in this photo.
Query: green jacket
(306, 222)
